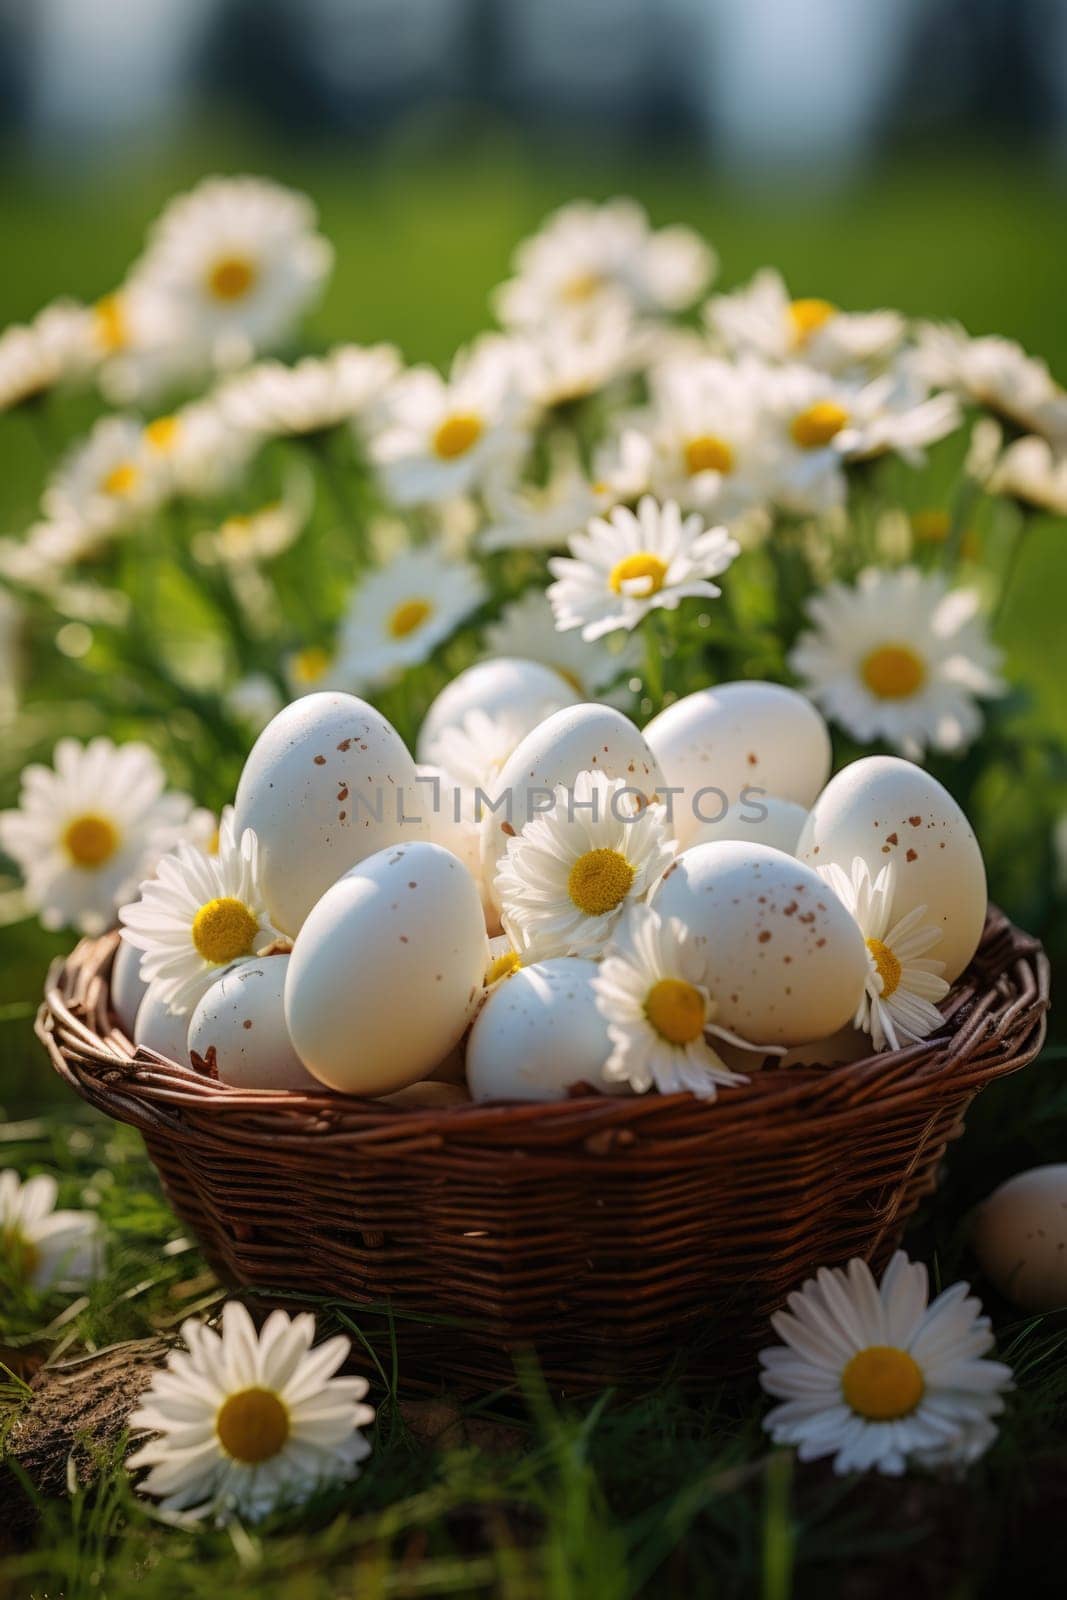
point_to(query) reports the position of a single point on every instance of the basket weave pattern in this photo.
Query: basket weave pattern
(604, 1231)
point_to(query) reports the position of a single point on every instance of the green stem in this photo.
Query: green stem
(1011, 565)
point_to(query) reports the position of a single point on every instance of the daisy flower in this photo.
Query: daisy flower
(142, 346)
(475, 749)
(54, 348)
(527, 629)
(997, 374)
(570, 874)
(1030, 471)
(244, 1423)
(821, 423)
(899, 656)
(39, 1245)
(535, 516)
(585, 252)
(313, 396)
(763, 319)
(87, 830)
(580, 352)
(706, 427)
(504, 959)
(197, 914)
(658, 1012)
(109, 482)
(237, 262)
(248, 538)
(877, 1378)
(442, 436)
(629, 565)
(196, 450)
(400, 614)
(898, 1006)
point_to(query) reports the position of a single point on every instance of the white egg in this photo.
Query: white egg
(504, 684)
(128, 988)
(759, 819)
(538, 1034)
(1020, 1238)
(449, 814)
(328, 782)
(717, 743)
(241, 1018)
(386, 971)
(160, 1029)
(885, 809)
(784, 962)
(578, 738)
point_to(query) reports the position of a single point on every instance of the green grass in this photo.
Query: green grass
(525, 1495)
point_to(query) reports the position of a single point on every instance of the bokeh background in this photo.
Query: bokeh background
(880, 152)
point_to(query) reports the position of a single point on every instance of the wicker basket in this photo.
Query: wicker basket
(608, 1233)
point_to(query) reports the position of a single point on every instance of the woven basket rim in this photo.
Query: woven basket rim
(995, 1018)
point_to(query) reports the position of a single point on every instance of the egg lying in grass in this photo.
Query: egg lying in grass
(577, 739)
(1020, 1238)
(160, 1029)
(538, 1034)
(387, 970)
(760, 819)
(328, 782)
(784, 962)
(128, 988)
(886, 809)
(737, 736)
(503, 685)
(239, 1024)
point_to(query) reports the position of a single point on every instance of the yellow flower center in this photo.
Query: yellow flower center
(111, 326)
(121, 480)
(90, 840)
(308, 666)
(931, 526)
(502, 966)
(20, 1254)
(231, 278)
(457, 434)
(162, 434)
(676, 1010)
(223, 930)
(808, 316)
(643, 568)
(252, 1425)
(708, 453)
(888, 965)
(582, 287)
(814, 428)
(882, 1383)
(893, 672)
(409, 615)
(599, 881)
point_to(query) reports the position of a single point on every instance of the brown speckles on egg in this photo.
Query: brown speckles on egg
(911, 855)
(915, 821)
(764, 937)
(506, 827)
(404, 938)
(247, 1023)
(345, 745)
(320, 761)
(790, 910)
(892, 838)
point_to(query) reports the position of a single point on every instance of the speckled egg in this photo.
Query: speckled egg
(538, 1034)
(757, 819)
(886, 809)
(160, 1029)
(579, 738)
(241, 1018)
(784, 962)
(328, 782)
(128, 988)
(504, 684)
(722, 740)
(1020, 1238)
(387, 970)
